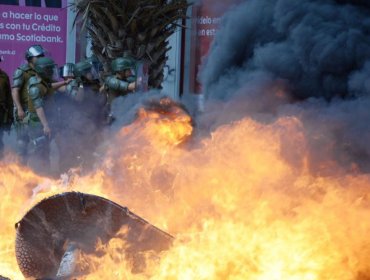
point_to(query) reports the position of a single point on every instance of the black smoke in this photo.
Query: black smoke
(316, 46)
(306, 59)
(364, 3)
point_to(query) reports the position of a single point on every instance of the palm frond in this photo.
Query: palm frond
(140, 28)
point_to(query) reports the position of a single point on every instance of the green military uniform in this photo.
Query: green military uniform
(40, 94)
(115, 87)
(21, 77)
(80, 132)
(6, 104)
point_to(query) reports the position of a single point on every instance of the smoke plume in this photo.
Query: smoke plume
(314, 45)
(306, 59)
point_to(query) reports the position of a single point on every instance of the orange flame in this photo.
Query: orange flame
(242, 205)
(170, 126)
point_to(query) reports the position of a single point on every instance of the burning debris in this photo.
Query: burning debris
(276, 189)
(173, 120)
(238, 209)
(51, 234)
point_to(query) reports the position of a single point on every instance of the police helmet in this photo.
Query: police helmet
(46, 68)
(121, 64)
(85, 69)
(34, 51)
(95, 62)
(68, 70)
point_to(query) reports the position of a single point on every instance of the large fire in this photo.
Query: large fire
(238, 205)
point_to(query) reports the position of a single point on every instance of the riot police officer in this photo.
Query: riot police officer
(21, 77)
(121, 83)
(20, 97)
(40, 112)
(68, 102)
(84, 122)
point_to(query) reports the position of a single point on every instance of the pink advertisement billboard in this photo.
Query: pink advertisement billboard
(31, 22)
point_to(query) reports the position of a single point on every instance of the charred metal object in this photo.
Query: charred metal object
(167, 107)
(48, 235)
(164, 105)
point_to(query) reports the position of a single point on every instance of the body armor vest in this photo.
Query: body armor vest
(28, 72)
(115, 87)
(45, 92)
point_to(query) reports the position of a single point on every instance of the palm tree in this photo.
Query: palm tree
(138, 28)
